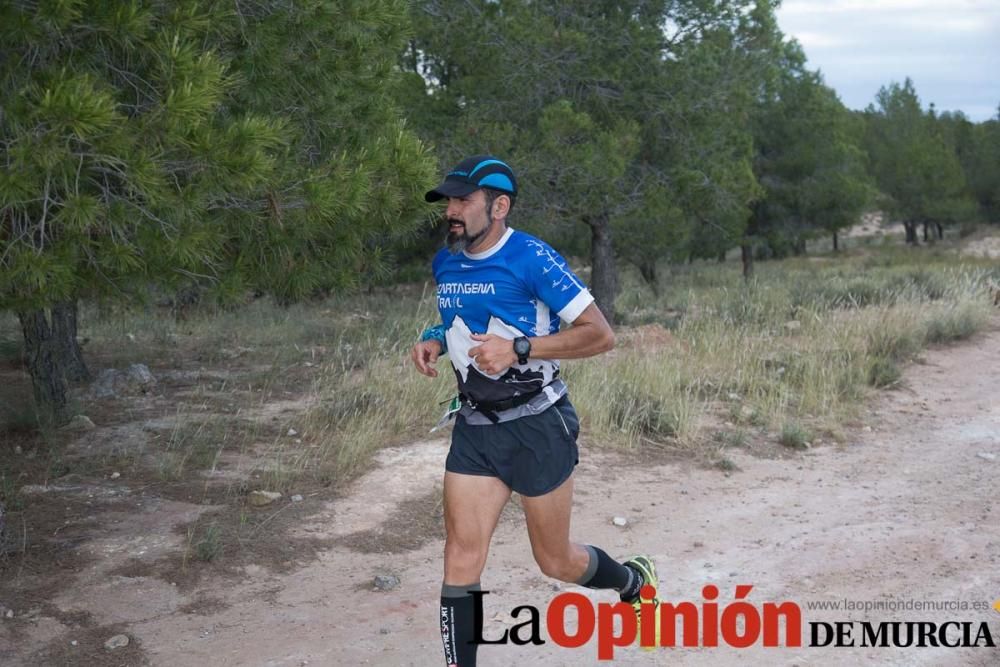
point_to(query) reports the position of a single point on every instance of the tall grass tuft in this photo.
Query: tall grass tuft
(627, 401)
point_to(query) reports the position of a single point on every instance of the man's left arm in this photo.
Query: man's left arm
(589, 335)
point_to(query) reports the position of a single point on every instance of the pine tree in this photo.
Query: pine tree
(236, 145)
(977, 146)
(628, 118)
(982, 169)
(916, 170)
(351, 175)
(808, 160)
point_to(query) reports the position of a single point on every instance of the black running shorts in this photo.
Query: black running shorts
(532, 455)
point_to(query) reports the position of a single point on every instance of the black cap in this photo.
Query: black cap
(471, 174)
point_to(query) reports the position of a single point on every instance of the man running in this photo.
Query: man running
(501, 294)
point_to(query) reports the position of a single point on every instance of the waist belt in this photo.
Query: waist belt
(489, 409)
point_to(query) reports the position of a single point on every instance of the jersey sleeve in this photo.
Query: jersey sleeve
(552, 281)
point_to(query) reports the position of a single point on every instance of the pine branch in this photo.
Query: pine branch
(45, 213)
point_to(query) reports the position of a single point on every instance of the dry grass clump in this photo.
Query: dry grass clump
(797, 349)
(629, 398)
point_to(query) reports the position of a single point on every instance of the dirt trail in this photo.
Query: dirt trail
(908, 509)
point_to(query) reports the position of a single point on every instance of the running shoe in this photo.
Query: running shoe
(644, 566)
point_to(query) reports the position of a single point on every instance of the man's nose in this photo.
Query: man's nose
(452, 210)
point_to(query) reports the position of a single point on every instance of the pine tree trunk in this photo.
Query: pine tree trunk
(43, 365)
(836, 245)
(65, 344)
(926, 225)
(604, 278)
(721, 257)
(940, 231)
(746, 253)
(648, 272)
(911, 232)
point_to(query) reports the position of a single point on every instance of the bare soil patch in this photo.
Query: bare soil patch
(409, 526)
(126, 521)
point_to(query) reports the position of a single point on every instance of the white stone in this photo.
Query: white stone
(262, 498)
(118, 641)
(620, 521)
(79, 423)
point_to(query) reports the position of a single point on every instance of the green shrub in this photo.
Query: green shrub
(919, 284)
(955, 323)
(637, 411)
(794, 435)
(209, 545)
(736, 438)
(884, 372)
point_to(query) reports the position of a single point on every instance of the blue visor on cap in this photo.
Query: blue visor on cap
(471, 174)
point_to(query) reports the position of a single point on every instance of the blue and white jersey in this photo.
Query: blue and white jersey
(519, 287)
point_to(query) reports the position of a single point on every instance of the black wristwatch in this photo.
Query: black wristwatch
(522, 348)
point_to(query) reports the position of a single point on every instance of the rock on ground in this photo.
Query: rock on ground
(118, 641)
(112, 383)
(262, 498)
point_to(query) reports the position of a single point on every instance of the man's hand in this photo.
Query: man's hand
(494, 354)
(425, 354)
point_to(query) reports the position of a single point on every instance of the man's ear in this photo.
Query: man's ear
(501, 207)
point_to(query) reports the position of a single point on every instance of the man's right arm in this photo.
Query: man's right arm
(425, 353)
(433, 342)
(437, 333)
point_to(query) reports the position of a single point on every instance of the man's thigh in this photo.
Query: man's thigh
(472, 507)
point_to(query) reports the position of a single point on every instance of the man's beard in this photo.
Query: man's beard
(460, 241)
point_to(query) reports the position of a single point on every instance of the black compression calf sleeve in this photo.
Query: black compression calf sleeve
(605, 572)
(458, 623)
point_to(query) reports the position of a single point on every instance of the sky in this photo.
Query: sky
(949, 48)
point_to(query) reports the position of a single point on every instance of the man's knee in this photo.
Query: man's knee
(464, 559)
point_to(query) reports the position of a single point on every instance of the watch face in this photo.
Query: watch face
(522, 346)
